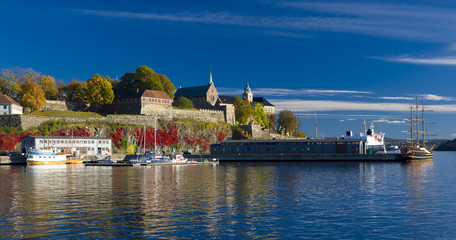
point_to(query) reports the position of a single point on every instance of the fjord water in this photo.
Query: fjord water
(415, 200)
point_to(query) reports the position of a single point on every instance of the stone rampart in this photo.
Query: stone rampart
(64, 106)
(26, 122)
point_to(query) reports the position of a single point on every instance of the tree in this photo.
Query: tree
(260, 116)
(167, 85)
(76, 91)
(146, 78)
(272, 121)
(242, 110)
(61, 89)
(288, 122)
(47, 83)
(183, 103)
(33, 96)
(12, 79)
(126, 82)
(99, 90)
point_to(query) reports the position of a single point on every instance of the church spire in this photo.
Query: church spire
(247, 95)
(210, 76)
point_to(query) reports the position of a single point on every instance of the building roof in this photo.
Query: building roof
(261, 100)
(68, 137)
(226, 99)
(192, 92)
(4, 99)
(141, 93)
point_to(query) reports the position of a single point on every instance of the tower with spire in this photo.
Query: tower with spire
(247, 95)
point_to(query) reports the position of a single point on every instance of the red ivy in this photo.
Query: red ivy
(221, 136)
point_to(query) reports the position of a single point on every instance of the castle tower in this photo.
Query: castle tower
(247, 95)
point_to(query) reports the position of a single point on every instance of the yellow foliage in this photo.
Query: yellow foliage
(131, 149)
(33, 96)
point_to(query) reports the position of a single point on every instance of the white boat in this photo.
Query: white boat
(52, 156)
(374, 141)
(178, 159)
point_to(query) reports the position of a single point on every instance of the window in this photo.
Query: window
(5, 107)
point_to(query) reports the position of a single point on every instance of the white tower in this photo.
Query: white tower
(247, 95)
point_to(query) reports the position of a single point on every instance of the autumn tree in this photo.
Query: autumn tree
(288, 122)
(99, 90)
(47, 83)
(33, 96)
(167, 85)
(12, 79)
(259, 115)
(75, 91)
(272, 119)
(183, 103)
(242, 110)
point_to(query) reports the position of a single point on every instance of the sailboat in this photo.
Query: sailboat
(417, 149)
(145, 157)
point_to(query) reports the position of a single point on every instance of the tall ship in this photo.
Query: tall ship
(418, 149)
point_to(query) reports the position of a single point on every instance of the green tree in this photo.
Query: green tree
(242, 110)
(33, 96)
(272, 121)
(75, 91)
(288, 122)
(146, 78)
(47, 83)
(167, 85)
(183, 103)
(126, 82)
(259, 115)
(99, 90)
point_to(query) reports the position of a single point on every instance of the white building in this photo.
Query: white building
(85, 145)
(9, 106)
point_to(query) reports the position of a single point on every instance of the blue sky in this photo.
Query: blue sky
(345, 60)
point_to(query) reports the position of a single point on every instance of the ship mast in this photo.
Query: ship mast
(415, 132)
(316, 133)
(417, 124)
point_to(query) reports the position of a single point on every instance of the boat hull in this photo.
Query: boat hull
(417, 156)
(56, 162)
(304, 157)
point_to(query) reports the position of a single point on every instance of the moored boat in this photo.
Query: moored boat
(52, 156)
(417, 150)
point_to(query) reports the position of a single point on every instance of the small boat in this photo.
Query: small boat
(178, 159)
(52, 156)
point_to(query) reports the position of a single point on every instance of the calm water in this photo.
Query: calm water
(232, 200)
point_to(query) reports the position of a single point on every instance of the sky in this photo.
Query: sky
(341, 61)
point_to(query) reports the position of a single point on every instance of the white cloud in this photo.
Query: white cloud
(396, 98)
(287, 92)
(435, 97)
(389, 121)
(384, 20)
(423, 61)
(324, 106)
(430, 97)
(316, 106)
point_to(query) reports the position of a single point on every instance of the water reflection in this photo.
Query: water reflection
(236, 200)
